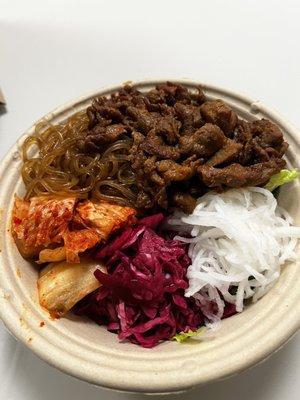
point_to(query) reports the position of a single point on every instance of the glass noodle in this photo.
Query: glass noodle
(62, 168)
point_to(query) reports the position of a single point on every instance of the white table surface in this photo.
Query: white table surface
(53, 51)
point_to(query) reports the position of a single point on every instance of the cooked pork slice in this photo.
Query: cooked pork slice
(237, 175)
(219, 113)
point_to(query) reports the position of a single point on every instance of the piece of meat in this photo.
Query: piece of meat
(161, 197)
(154, 145)
(144, 200)
(156, 98)
(103, 135)
(190, 117)
(226, 154)
(108, 134)
(103, 112)
(168, 127)
(278, 152)
(247, 154)
(242, 132)
(262, 140)
(172, 171)
(150, 168)
(145, 121)
(105, 218)
(173, 92)
(184, 201)
(236, 175)
(143, 168)
(269, 137)
(219, 113)
(170, 93)
(198, 96)
(269, 134)
(205, 142)
(108, 112)
(259, 154)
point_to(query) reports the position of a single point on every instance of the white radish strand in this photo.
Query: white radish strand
(240, 239)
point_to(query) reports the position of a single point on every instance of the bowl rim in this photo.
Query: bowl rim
(70, 363)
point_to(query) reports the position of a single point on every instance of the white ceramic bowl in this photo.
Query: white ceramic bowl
(83, 349)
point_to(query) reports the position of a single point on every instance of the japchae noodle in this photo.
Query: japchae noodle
(62, 168)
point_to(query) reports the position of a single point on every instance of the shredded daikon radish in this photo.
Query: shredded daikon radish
(239, 240)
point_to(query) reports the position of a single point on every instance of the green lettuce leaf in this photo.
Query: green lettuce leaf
(182, 336)
(284, 176)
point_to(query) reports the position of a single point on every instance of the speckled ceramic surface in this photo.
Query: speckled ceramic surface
(83, 349)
